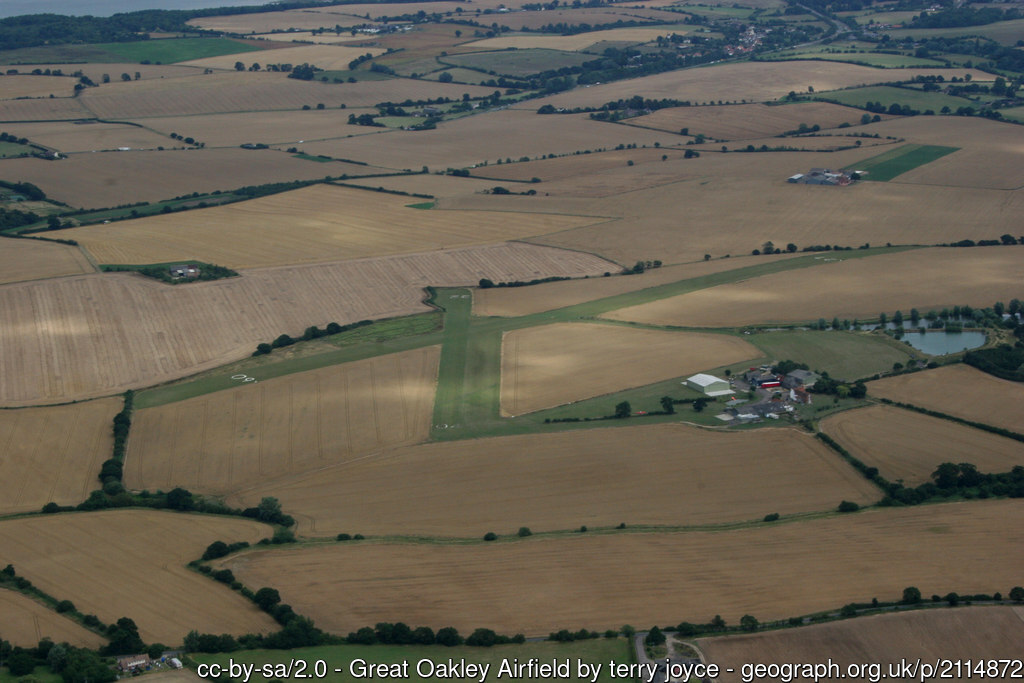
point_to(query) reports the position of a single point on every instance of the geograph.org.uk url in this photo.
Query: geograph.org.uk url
(903, 670)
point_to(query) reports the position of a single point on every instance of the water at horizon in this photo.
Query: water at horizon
(105, 8)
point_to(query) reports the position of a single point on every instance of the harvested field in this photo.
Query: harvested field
(508, 134)
(686, 477)
(518, 63)
(93, 559)
(285, 425)
(22, 259)
(254, 91)
(69, 137)
(115, 178)
(439, 186)
(267, 127)
(535, 20)
(977, 396)
(265, 22)
(14, 87)
(807, 143)
(907, 446)
(538, 585)
(53, 454)
(59, 108)
(745, 121)
(58, 332)
(26, 622)
(551, 295)
(546, 366)
(579, 41)
(305, 226)
(734, 82)
(96, 70)
(974, 633)
(924, 278)
(972, 168)
(328, 57)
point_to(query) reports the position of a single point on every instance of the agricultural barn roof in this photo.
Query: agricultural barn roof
(704, 380)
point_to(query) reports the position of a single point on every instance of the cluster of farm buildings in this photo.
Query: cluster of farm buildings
(825, 176)
(776, 393)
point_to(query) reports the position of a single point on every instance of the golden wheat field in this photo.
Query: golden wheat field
(534, 20)
(740, 122)
(328, 57)
(887, 639)
(314, 224)
(132, 562)
(685, 477)
(42, 109)
(96, 70)
(923, 278)
(505, 135)
(267, 127)
(53, 454)
(253, 91)
(25, 86)
(551, 295)
(265, 22)
(577, 42)
(58, 331)
(114, 178)
(229, 440)
(750, 81)
(958, 390)
(907, 446)
(598, 581)
(549, 365)
(34, 259)
(69, 136)
(26, 622)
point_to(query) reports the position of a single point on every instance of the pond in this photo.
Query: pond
(939, 343)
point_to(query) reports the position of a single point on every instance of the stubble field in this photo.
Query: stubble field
(59, 108)
(973, 633)
(59, 331)
(908, 446)
(267, 127)
(958, 390)
(265, 22)
(540, 585)
(306, 226)
(53, 454)
(225, 441)
(14, 87)
(114, 178)
(26, 622)
(69, 137)
(579, 41)
(32, 260)
(923, 278)
(546, 366)
(754, 82)
(328, 57)
(664, 475)
(132, 562)
(740, 122)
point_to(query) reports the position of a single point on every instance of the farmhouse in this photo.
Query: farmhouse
(187, 271)
(133, 662)
(709, 385)
(822, 176)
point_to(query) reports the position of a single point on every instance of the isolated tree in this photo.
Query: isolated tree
(445, 77)
(911, 595)
(1017, 593)
(668, 405)
(106, 78)
(239, 66)
(749, 623)
(126, 77)
(623, 410)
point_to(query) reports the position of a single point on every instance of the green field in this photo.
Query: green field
(163, 51)
(517, 63)
(889, 95)
(42, 674)
(13, 149)
(889, 165)
(843, 355)
(333, 657)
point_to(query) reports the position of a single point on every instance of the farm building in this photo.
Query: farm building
(821, 176)
(709, 385)
(189, 271)
(799, 378)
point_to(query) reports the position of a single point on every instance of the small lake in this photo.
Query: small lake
(939, 343)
